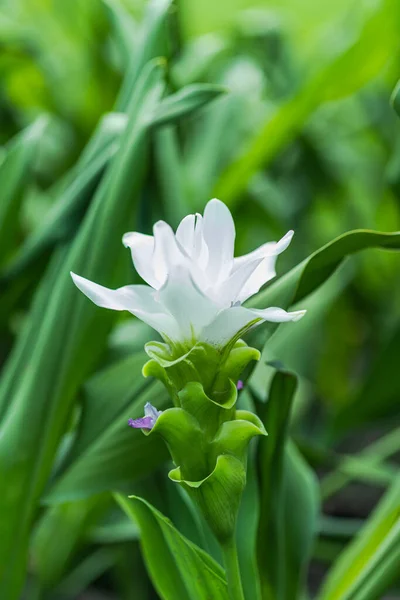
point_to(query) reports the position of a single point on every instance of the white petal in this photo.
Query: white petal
(229, 291)
(200, 254)
(185, 233)
(137, 299)
(219, 235)
(142, 250)
(186, 303)
(232, 321)
(227, 325)
(167, 253)
(277, 315)
(266, 269)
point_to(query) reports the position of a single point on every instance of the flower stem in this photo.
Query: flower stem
(232, 570)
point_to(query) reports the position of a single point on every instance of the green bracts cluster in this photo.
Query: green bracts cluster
(205, 434)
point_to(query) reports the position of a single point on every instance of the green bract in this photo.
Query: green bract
(206, 436)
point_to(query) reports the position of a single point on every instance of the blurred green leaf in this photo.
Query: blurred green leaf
(126, 29)
(65, 214)
(178, 568)
(68, 338)
(15, 171)
(370, 564)
(151, 43)
(367, 465)
(378, 383)
(58, 535)
(395, 98)
(86, 572)
(107, 454)
(284, 535)
(184, 102)
(343, 76)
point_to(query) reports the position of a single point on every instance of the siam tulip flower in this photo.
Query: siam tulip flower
(196, 287)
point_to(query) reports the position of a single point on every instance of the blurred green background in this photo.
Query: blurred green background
(300, 135)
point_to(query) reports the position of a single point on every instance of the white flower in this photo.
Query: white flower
(196, 286)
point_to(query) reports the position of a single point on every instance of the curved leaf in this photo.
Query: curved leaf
(177, 567)
(313, 271)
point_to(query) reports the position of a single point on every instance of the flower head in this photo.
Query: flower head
(151, 415)
(196, 286)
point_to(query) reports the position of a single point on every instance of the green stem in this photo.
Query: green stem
(232, 570)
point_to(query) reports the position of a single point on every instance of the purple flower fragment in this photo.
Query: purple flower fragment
(239, 385)
(151, 415)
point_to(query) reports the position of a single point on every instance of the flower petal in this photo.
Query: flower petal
(186, 302)
(151, 411)
(167, 252)
(266, 270)
(238, 319)
(137, 299)
(142, 250)
(219, 235)
(185, 233)
(142, 423)
(230, 290)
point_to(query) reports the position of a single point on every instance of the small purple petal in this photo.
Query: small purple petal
(239, 385)
(143, 423)
(151, 415)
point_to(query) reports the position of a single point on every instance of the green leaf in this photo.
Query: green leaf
(395, 98)
(308, 275)
(379, 383)
(15, 170)
(185, 102)
(59, 533)
(178, 568)
(299, 482)
(68, 335)
(284, 535)
(344, 75)
(107, 454)
(88, 570)
(126, 29)
(66, 213)
(367, 568)
(151, 42)
(367, 465)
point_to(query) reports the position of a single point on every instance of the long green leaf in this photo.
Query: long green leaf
(370, 564)
(15, 170)
(313, 271)
(284, 536)
(58, 535)
(64, 216)
(68, 338)
(178, 568)
(185, 102)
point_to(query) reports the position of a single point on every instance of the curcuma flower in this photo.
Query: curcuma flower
(196, 287)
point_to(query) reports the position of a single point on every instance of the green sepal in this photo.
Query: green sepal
(234, 436)
(209, 413)
(218, 495)
(185, 440)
